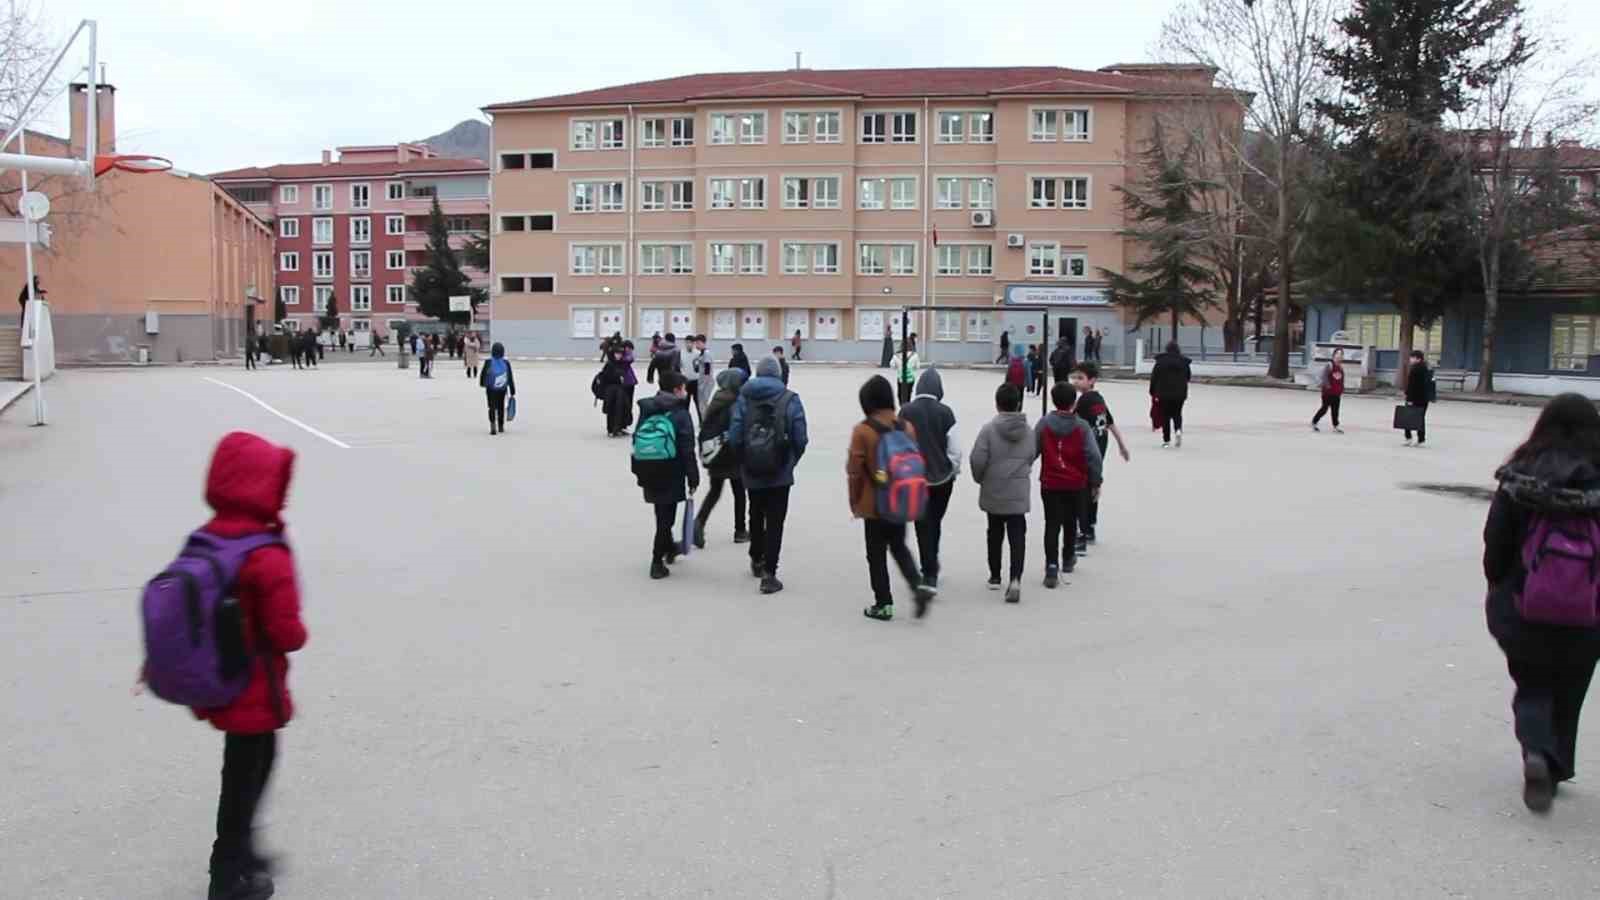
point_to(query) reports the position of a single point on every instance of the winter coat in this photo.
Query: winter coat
(667, 358)
(246, 487)
(1079, 465)
(888, 350)
(1419, 385)
(1061, 359)
(719, 417)
(1552, 484)
(511, 377)
(1002, 462)
(1169, 380)
(469, 353)
(629, 377)
(936, 428)
(1332, 384)
(666, 485)
(741, 362)
(760, 389)
(907, 365)
(862, 461)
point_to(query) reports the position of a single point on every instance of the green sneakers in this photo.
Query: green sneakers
(882, 613)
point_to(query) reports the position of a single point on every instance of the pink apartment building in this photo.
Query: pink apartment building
(749, 206)
(354, 227)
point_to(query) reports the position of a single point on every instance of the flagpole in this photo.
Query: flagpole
(934, 295)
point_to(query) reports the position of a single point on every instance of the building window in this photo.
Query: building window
(1042, 193)
(723, 128)
(746, 193)
(949, 193)
(1044, 125)
(507, 161)
(513, 223)
(288, 228)
(289, 294)
(360, 229)
(607, 196)
(753, 193)
(978, 326)
(753, 128)
(424, 191)
(395, 190)
(873, 259)
(903, 193)
(394, 260)
(322, 230)
(952, 127)
(874, 128)
(825, 192)
(682, 195)
(322, 196)
(724, 193)
(903, 128)
(889, 128)
(320, 296)
(361, 298)
(583, 194)
(806, 127)
(360, 196)
(652, 196)
(683, 132)
(583, 135)
(810, 259)
(251, 194)
(1063, 124)
(724, 258)
(871, 193)
(322, 264)
(900, 193)
(949, 260)
(1075, 125)
(752, 259)
(980, 128)
(1572, 341)
(826, 128)
(895, 259)
(947, 325)
(597, 259)
(288, 262)
(652, 132)
(1074, 193)
(1382, 331)
(745, 258)
(980, 193)
(980, 260)
(361, 264)
(394, 225)
(1044, 260)
(612, 197)
(289, 193)
(797, 128)
(612, 134)
(796, 193)
(666, 259)
(1075, 265)
(903, 259)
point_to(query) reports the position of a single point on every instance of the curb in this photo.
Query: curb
(6, 402)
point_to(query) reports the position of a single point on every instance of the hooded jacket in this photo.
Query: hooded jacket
(1002, 463)
(667, 358)
(862, 460)
(246, 486)
(740, 361)
(1169, 380)
(936, 428)
(664, 483)
(768, 386)
(1552, 484)
(1077, 464)
(1419, 384)
(719, 417)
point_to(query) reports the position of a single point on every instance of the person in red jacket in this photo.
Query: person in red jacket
(1332, 383)
(1070, 467)
(246, 487)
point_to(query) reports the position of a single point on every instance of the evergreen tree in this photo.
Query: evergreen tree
(330, 315)
(434, 284)
(475, 252)
(279, 310)
(1172, 278)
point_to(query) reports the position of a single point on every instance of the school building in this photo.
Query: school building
(751, 206)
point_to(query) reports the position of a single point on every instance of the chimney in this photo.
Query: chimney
(402, 153)
(78, 115)
(327, 157)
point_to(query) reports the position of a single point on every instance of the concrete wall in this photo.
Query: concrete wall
(1522, 341)
(117, 338)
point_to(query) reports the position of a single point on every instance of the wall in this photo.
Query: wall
(1522, 340)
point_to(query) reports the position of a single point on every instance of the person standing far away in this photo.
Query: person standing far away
(783, 364)
(1061, 360)
(1088, 344)
(1169, 384)
(655, 344)
(1070, 469)
(691, 375)
(1419, 393)
(663, 462)
(1002, 464)
(377, 345)
(935, 426)
(497, 380)
(293, 345)
(1540, 545)
(341, 339)
(313, 349)
(862, 478)
(630, 381)
(22, 300)
(797, 343)
(908, 364)
(666, 358)
(617, 393)
(768, 431)
(703, 369)
(723, 464)
(249, 352)
(1331, 380)
(1016, 371)
(1005, 348)
(469, 355)
(1030, 367)
(740, 361)
(888, 347)
(1092, 408)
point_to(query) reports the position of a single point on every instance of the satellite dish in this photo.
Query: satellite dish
(34, 206)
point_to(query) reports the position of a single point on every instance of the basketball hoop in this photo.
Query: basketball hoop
(138, 164)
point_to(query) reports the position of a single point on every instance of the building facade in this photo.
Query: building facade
(352, 227)
(752, 206)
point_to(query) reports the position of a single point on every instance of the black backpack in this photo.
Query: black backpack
(766, 436)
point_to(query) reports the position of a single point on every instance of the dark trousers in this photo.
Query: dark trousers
(1171, 418)
(246, 767)
(694, 396)
(1012, 529)
(930, 528)
(1330, 403)
(769, 509)
(665, 544)
(905, 392)
(497, 408)
(1062, 512)
(885, 539)
(715, 494)
(377, 350)
(1547, 703)
(249, 359)
(1422, 425)
(294, 357)
(1091, 500)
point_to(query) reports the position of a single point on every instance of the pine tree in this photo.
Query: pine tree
(280, 310)
(434, 284)
(330, 315)
(1172, 278)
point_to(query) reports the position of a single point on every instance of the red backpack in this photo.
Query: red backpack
(1015, 373)
(1063, 465)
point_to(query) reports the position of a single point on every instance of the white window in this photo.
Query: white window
(652, 132)
(874, 259)
(1075, 265)
(320, 296)
(612, 198)
(322, 264)
(947, 325)
(361, 264)
(683, 132)
(394, 260)
(361, 298)
(797, 127)
(360, 229)
(724, 324)
(874, 128)
(952, 127)
(1044, 126)
(322, 230)
(652, 259)
(652, 195)
(394, 225)
(889, 128)
(322, 196)
(745, 259)
(1042, 193)
(980, 260)
(903, 193)
(1074, 193)
(583, 323)
(870, 324)
(826, 327)
(395, 190)
(583, 135)
(753, 128)
(597, 259)
(825, 259)
(825, 192)
(826, 128)
(1075, 125)
(680, 259)
(289, 193)
(796, 193)
(361, 325)
(723, 128)
(612, 134)
(1044, 259)
(289, 294)
(724, 193)
(903, 259)
(724, 258)
(361, 196)
(949, 193)
(290, 325)
(810, 259)
(583, 196)
(795, 259)
(752, 259)
(752, 193)
(796, 321)
(980, 128)
(682, 195)
(978, 326)
(1573, 339)
(980, 193)
(903, 128)
(288, 228)
(872, 193)
(288, 262)
(949, 260)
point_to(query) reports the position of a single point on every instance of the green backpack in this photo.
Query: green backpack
(655, 440)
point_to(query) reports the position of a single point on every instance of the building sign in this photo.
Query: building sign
(1055, 295)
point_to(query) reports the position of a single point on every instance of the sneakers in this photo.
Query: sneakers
(1089, 536)
(1538, 784)
(1410, 443)
(1338, 430)
(1314, 427)
(1166, 445)
(251, 886)
(1014, 591)
(659, 570)
(771, 585)
(883, 612)
(672, 557)
(994, 582)
(493, 431)
(740, 536)
(1070, 566)
(1081, 547)
(699, 534)
(1178, 440)
(923, 598)
(931, 582)
(1052, 577)
(757, 569)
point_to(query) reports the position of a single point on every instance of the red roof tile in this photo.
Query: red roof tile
(1567, 261)
(295, 171)
(868, 83)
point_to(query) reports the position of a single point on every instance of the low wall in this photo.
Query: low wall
(1537, 385)
(1208, 368)
(102, 338)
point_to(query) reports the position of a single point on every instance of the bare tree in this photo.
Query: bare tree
(1267, 52)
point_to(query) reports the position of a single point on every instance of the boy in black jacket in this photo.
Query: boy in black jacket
(1419, 393)
(1092, 408)
(497, 381)
(661, 472)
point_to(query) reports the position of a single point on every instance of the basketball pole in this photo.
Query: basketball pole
(33, 299)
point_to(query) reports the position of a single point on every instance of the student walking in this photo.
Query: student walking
(1547, 511)
(1169, 384)
(908, 363)
(888, 348)
(1002, 463)
(863, 478)
(721, 462)
(377, 345)
(1069, 475)
(498, 381)
(1092, 408)
(741, 362)
(935, 427)
(783, 364)
(692, 374)
(616, 392)
(797, 342)
(469, 355)
(1331, 380)
(768, 432)
(1030, 365)
(249, 353)
(1061, 360)
(1419, 393)
(663, 462)
(1005, 348)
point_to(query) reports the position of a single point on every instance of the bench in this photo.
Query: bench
(1458, 378)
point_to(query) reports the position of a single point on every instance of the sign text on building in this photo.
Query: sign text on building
(1055, 295)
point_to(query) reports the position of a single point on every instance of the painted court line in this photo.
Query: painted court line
(290, 419)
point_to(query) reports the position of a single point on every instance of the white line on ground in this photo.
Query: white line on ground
(287, 418)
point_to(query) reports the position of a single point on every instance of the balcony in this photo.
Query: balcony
(418, 240)
(452, 206)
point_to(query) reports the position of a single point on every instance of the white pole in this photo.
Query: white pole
(91, 148)
(27, 252)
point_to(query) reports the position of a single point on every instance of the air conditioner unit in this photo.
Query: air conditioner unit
(983, 218)
(1015, 240)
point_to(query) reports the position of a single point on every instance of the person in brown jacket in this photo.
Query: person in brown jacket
(883, 538)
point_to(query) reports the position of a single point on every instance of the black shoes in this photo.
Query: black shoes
(757, 570)
(922, 599)
(699, 533)
(1052, 577)
(931, 582)
(1538, 783)
(251, 886)
(994, 582)
(771, 585)
(659, 570)
(740, 536)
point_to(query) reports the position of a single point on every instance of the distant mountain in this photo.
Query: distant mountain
(469, 139)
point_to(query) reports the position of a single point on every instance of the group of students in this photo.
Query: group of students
(613, 387)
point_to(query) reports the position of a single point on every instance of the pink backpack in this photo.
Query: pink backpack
(1562, 560)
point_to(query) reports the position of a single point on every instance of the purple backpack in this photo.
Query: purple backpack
(1562, 559)
(194, 647)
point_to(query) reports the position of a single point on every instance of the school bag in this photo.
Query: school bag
(194, 651)
(655, 440)
(499, 374)
(1063, 466)
(1562, 559)
(766, 442)
(901, 476)
(714, 448)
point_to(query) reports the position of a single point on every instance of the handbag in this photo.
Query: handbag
(686, 539)
(511, 409)
(1408, 418)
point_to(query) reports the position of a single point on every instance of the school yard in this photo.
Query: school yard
(1270, 679)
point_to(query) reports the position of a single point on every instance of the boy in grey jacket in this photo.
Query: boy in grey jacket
(1002, 464)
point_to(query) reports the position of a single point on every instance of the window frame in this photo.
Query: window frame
(360, 195)
(324, 190)
(808, 253)
(675, 188)
(745, 182)
(577, 127)
(670, 265)
(676, 137)
(321, 223)
(389, 221)
(388, 260)
(836, 135)
(355, 223)
(320, 295)
(940, 317)
(388, 190)
(892, 121)
(960, 193)
(647, 124)
(986, 271)
(289, 227)
(976, 181)
(613, 133)
(289, 261)
(289, 194)
(1577, 359)
(1034, 270)
(357, 270)
(289, 294)
(943, 135)
(1036, 134)
(974, 136)
(648, 186)
(317, 256)
(805, 118)
(600, 269)
(356, 305)
(732, 193)
(898, 181)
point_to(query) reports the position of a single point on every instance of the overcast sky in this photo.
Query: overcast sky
(219, 84)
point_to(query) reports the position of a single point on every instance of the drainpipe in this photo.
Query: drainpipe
(494, 169)
(631, 260)
(927, 201)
